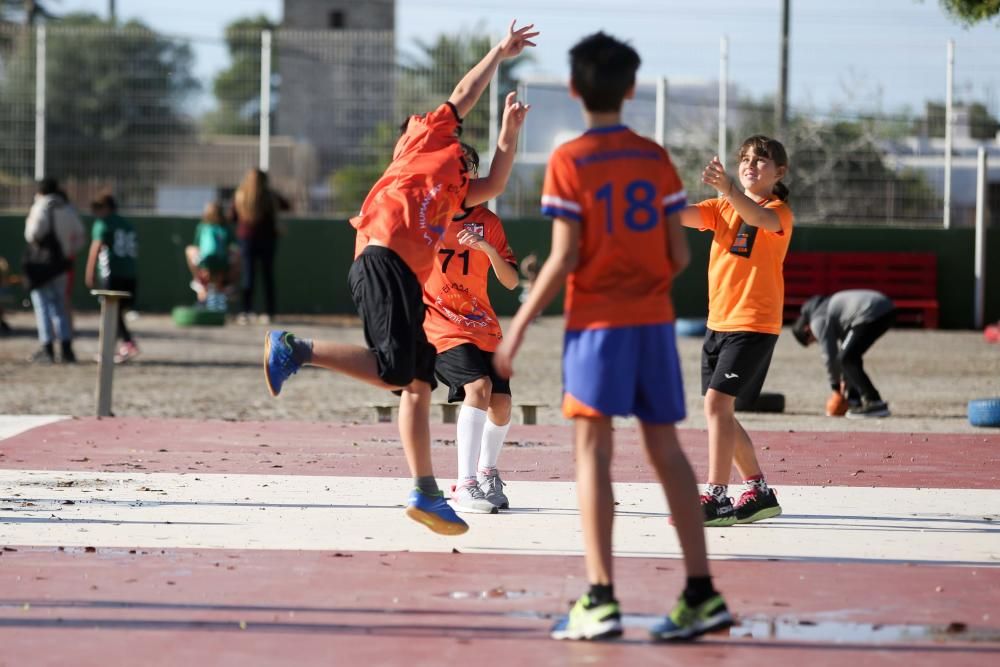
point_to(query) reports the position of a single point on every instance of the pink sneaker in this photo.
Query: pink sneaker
(126, 351)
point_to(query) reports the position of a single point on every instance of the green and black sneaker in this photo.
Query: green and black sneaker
(587, 621)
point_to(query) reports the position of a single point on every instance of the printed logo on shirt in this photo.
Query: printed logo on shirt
(745, 237)
(475, 228)
(730, 376)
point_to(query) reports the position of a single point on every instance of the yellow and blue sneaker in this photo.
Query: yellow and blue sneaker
(686, 622)
(589, 621)
(434, 512)
(279, 359)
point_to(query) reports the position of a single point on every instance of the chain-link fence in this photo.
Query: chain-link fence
(134, 110)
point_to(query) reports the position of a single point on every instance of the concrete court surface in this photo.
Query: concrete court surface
(171, 541)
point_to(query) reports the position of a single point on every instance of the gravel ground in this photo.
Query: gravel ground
(927, 376)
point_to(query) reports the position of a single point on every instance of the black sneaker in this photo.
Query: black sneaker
(755, 506)
(42, 355)
(67, 355)
(718, 512)
(869, 409)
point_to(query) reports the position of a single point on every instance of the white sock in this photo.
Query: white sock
(470, 434)
(493, 436)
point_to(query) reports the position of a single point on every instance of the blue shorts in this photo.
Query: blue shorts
(623, 371)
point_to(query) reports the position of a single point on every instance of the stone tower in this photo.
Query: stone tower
(336, 59)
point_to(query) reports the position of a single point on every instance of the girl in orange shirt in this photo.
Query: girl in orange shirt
(751, 226)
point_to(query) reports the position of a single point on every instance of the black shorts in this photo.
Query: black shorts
(466, 363)
(391, 305)
(736, 363)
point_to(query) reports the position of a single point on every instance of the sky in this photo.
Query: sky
(854, 55)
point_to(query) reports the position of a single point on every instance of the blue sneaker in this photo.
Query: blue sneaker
(686, 622)
(434, 512)
(279, 365)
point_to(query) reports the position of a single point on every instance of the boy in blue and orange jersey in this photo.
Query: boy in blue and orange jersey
(617, 241)
(398, 230)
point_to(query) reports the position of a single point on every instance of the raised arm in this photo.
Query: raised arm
(505, 272)
(493, 185)
(750, 211)
(690, 216)
(472, 85)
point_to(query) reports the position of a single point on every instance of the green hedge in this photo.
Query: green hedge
(314, 257)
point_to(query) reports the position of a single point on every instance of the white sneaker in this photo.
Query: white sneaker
(492, 485)
(468, 497)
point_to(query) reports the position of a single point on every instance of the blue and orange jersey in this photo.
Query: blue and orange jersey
(458, 304)
(409, 207)
(619, 187)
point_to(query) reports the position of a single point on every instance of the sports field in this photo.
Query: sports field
(211, 524)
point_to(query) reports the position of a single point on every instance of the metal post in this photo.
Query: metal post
(661, 111)
(781, 103)
(723, 97)
(948, 120)
(106, 343)
(265, 100)
(979, 302)
(494, 94)
(39, 102)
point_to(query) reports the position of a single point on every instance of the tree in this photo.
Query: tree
(237, 88)
(350, 185)
(113, 96)
(981, 124)
(970, 12)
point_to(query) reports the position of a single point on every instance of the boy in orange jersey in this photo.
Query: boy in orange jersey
(399, 226)
(617, 243)
(462, 326)
(751, 229)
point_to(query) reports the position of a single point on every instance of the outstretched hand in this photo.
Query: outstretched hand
(514, 113)
(515, 42)
(715, 175)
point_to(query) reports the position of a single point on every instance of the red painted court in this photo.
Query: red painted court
(832, 581)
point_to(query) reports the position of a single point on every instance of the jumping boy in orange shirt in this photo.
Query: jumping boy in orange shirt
(463, 327)
(399, 227)
(617, 243)
(751, 229)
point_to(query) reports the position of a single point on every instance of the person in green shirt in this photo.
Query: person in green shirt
(210, 259)
(111, 263)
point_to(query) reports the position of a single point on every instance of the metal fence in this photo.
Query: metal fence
(136, 111)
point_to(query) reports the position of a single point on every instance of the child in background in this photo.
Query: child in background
(210, 259)
(111, 263)
(464, 329)
(399, 227)
(751, 230)
(614, 197)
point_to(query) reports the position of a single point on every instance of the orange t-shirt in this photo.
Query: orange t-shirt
(619, 187)
(424, 186)
(746, 288)
(458, 304)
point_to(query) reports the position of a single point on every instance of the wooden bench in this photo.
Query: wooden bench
(449, 412)
(908, 278)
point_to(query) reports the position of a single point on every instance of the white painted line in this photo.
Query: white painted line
(11, 425)
(164, 510)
